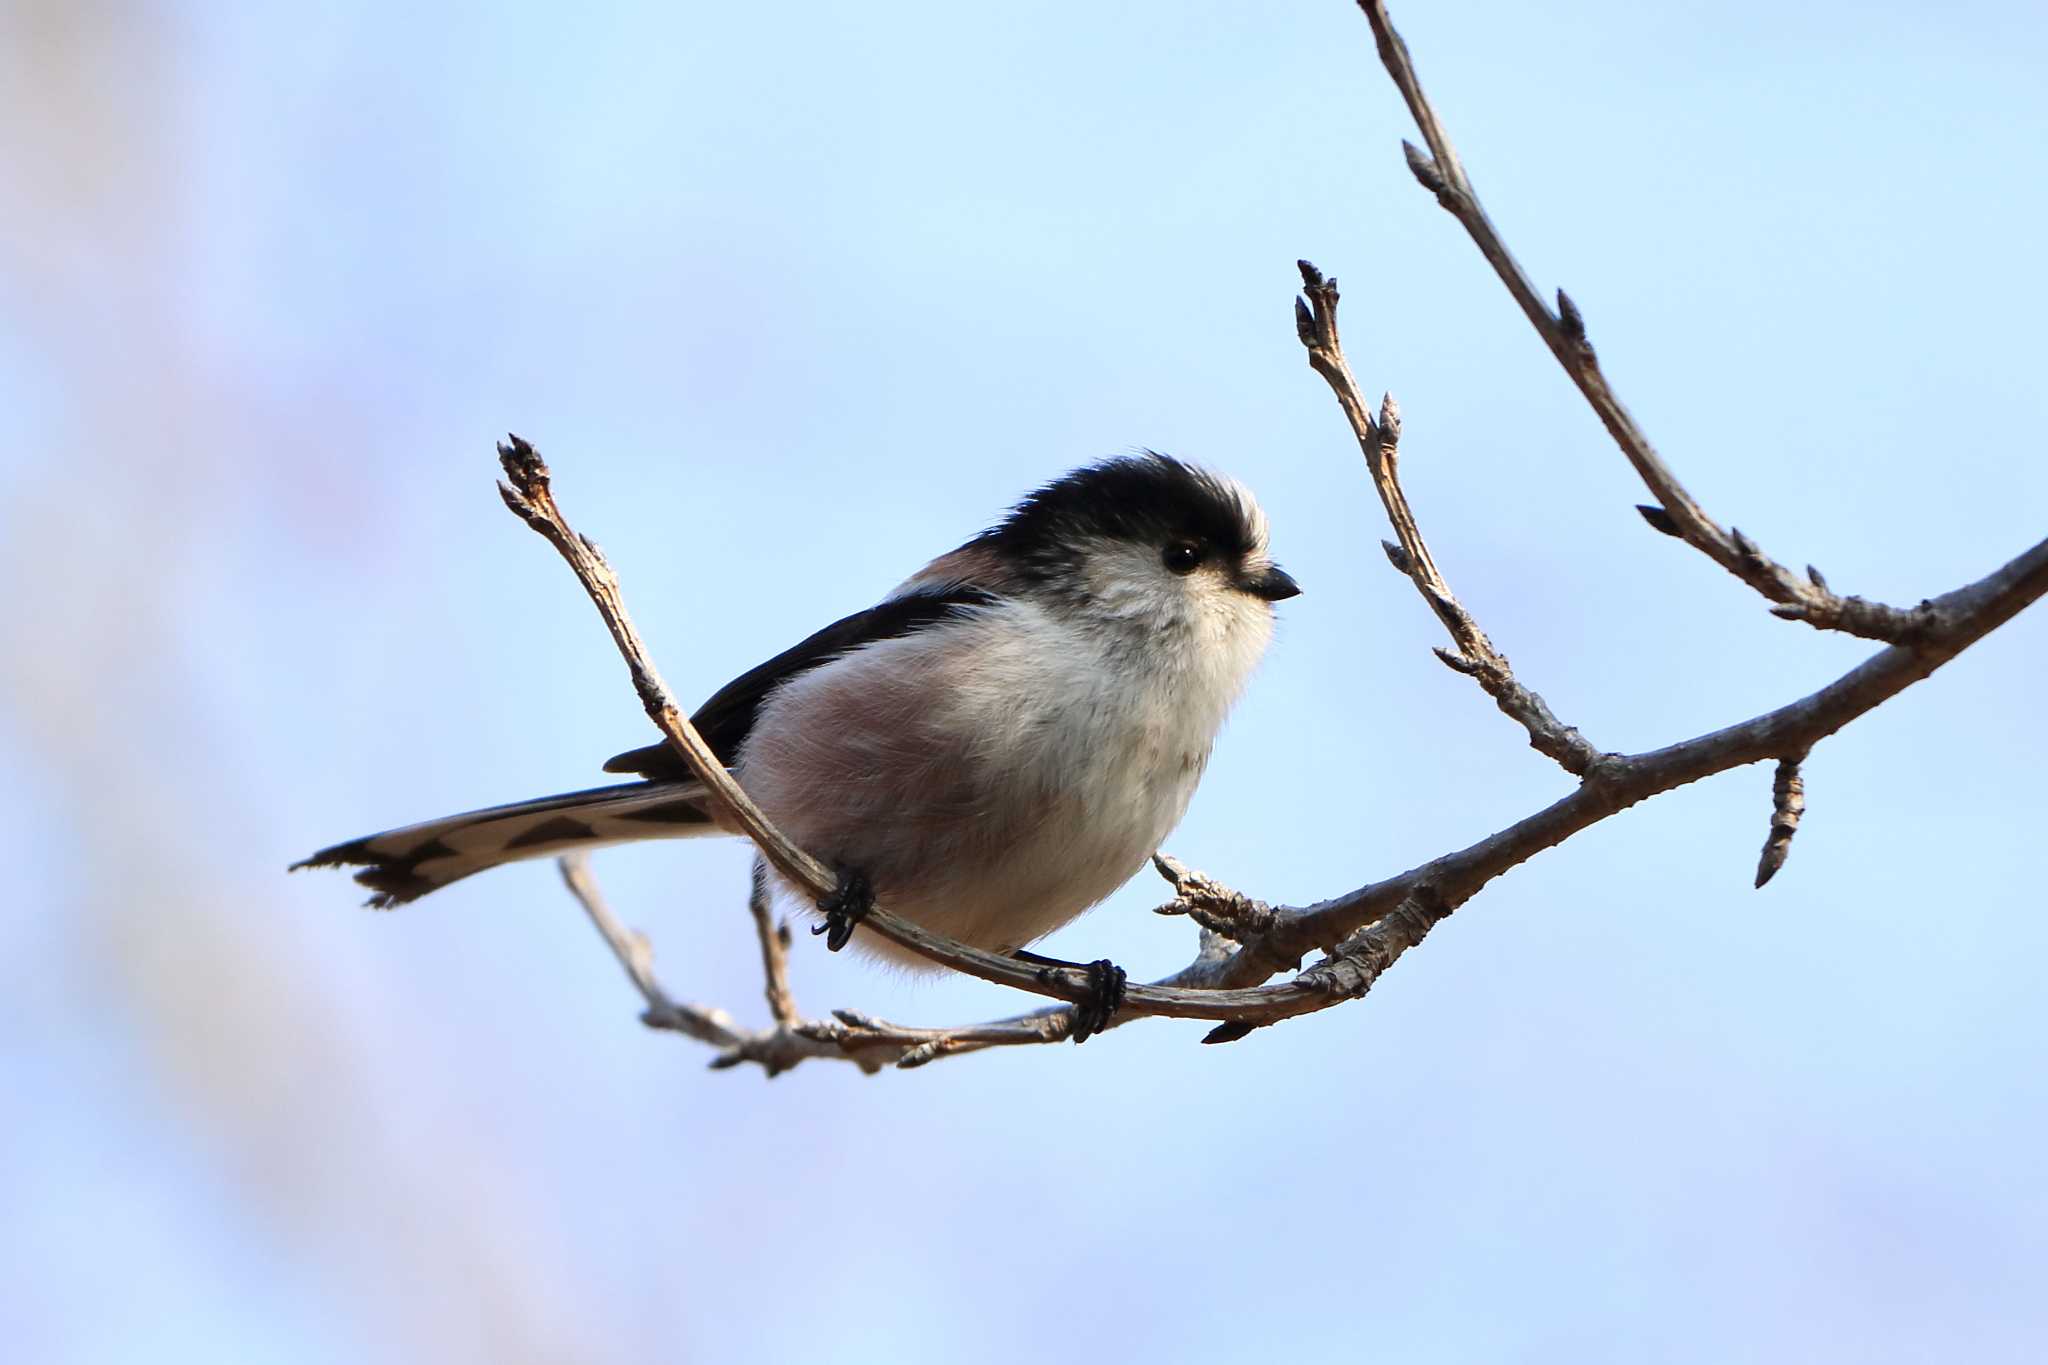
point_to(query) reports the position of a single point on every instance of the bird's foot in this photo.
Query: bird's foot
(1105, 991)
(847, 906)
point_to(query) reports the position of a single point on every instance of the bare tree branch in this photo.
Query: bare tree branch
(1564, 331)
(1209, 903)
(775, 1049)
(848, 1036)
(1362, 933)
(774, 947)
(919, 1046)
(1956, 621)
(1315, 322)
(1224, 985)
(707, 1024)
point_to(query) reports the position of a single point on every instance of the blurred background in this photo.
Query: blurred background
(794, 298)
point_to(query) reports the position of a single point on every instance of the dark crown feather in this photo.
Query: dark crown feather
(1148, 498)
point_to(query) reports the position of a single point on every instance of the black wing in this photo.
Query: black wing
(728, 717)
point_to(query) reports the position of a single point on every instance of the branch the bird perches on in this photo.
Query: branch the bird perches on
(1360, 934)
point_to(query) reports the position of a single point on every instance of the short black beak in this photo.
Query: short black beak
(1274, 584)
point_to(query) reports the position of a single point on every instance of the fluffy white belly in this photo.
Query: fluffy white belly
(993, 779)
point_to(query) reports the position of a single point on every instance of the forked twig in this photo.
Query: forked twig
(1676, 512)
(1315, 322)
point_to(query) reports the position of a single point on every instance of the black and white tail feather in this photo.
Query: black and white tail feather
(402, 865)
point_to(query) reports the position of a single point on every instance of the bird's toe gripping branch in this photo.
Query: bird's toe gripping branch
(845, 908)
(1105, 997)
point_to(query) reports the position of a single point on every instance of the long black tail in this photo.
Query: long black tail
(402, 865)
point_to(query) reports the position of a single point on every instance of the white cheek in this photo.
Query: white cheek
(1239, 627)
(1198, 629)
(1127, 582)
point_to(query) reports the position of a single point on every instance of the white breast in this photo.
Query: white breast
(998, 776)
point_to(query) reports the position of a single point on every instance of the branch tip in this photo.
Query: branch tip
(1426, 171)
(1571, 319)
(1788, 804)
(1659, 519)
(523, 465)
(516, 501)
(1457, 663)
(1564, 334)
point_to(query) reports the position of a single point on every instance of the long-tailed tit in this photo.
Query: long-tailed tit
(990, 750)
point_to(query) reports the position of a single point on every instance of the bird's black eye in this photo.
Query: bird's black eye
(1183, 556)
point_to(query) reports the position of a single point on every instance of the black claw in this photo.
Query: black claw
(846, 907)
(1105, 998)
(1105, 990)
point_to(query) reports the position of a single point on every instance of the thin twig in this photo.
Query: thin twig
(1217, 908)
(918, 1047)
(1564, 332)
(774, 947)
(707, 1024)
(1315, 322)
(775, 1049)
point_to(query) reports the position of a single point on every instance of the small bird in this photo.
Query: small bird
(990, 750)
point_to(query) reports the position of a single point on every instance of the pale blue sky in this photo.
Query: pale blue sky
(795, 297)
